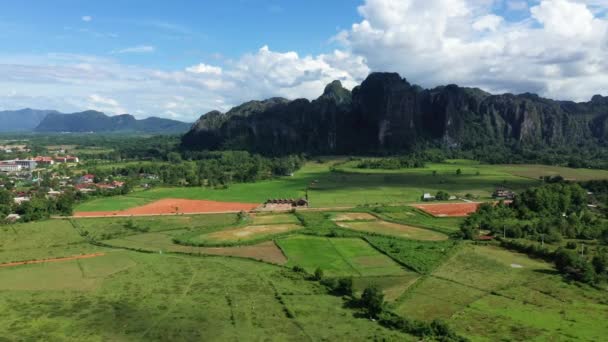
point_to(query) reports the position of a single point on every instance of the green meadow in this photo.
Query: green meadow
(232, 277)
(348, 185)
(147, 286)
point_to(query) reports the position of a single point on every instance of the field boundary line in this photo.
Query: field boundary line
(343, 257)
(42, 261)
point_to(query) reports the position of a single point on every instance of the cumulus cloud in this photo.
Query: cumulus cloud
(104, 104)
(555, 47)
(86, 18)
(136, 49)
(557, 51)
(74, 82)
(203, 68)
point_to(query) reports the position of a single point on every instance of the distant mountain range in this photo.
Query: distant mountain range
(388, 114)
(49, 121)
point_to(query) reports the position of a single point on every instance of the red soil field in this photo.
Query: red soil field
(449, 209)
(171, 206)
(76, 257)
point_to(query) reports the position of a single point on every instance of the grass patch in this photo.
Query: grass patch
(421, 256)
(394, 229)
(243, 235)
(263, 219)
(337, 256)
(114, 203)
(173, 298)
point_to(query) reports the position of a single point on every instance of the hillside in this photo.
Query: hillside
(93, 121)
(22, 120)
(388, 114)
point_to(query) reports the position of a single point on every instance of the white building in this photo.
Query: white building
(9, 167)
(25, 163)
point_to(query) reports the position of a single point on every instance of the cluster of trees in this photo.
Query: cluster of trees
(546, 213)
(39, 207)
(391, 163)
(213, 169)
(412, 160)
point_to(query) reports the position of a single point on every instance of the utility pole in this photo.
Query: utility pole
(542, 239)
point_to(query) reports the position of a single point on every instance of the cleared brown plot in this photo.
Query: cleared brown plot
(449, 209)
(249, 232)
(171, 206)
(353, 217)
(394, 229)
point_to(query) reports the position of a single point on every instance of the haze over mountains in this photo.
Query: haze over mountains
(388, 114)
(31, 120)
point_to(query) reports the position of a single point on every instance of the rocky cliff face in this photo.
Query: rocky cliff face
(386, 113)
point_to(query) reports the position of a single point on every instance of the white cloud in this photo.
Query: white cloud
(72, 83)
(488, 22)
(136, 49)
(558, 51)
(105, 104)
(86, 18)
(205, 69)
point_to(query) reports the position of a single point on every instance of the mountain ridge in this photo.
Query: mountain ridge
(48, 121)
(385, 113)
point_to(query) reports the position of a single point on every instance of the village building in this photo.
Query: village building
(13, 217)
(285, 204)
(87, 179)
(27, 164)
(66, 159)
(54, 193)
(9, 167)
(44, 160)
(428, 197)
(502, 193)
(20, 199)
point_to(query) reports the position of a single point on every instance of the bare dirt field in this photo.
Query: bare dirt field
(76, 257)
(354, 217)
(449, 209)
(171, 206)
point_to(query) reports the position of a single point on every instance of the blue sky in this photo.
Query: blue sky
(180, 59)
(181, 32)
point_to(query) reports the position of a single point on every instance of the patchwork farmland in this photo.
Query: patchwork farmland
(181, 276)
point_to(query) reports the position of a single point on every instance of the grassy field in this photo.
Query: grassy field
(112, 203)
(245, 234)
(351, 186)
(483, 292)
(40, 240)
(412, 216)
(491, 294)
(108, 228)
(394, 229)
(261, 219)
(337, 257)
(137, 296)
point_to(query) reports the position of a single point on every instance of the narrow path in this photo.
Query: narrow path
(75, 257)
